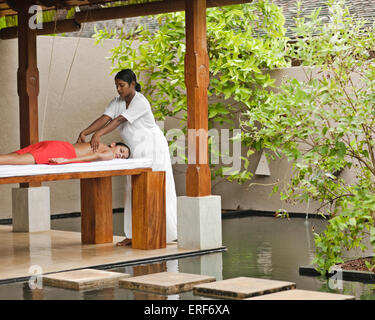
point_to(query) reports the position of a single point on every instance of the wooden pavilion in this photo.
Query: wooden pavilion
(198, 181)
(198, 176)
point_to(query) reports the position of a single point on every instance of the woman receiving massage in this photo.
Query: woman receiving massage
(131, 113)
(62, 152)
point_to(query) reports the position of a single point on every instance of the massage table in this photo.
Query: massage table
(148, 196)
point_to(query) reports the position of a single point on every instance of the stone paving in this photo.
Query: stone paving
(241, 287)
(165, 282)
(83, 279)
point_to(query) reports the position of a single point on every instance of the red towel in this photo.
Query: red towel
(44, 150)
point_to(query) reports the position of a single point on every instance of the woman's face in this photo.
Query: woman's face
(123, 88)
(121, 152)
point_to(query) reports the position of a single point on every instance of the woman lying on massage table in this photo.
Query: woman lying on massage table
(60, 152)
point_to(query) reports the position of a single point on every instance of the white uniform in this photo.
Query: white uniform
(145, 140)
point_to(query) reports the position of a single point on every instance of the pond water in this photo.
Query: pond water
(257, 246)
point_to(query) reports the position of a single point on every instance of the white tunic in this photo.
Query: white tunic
(145, 140)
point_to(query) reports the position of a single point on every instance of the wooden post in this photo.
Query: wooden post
(148, 210)
(96, 210)
(27, 80)
(198, 175)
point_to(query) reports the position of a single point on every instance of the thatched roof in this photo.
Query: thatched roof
(360, 9)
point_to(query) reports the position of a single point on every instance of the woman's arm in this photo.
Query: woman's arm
(93, 127)
(98, 156)
(112, 125)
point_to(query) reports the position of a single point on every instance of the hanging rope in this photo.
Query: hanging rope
(48, 80)
(71, 65)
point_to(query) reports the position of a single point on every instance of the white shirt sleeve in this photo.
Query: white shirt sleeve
(112, 110)
(136, 110)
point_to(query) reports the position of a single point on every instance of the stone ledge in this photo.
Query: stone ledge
(349, 275)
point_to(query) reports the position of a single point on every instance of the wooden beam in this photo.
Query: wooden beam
(144, 9)
(60, 4)
(17, 5)
(129, 11)
(27, 81)
(47, 3)
(12, 4)
(6, 12)
(198, 175)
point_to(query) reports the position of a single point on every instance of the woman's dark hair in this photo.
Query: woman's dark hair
(128, 76)
(124, 145)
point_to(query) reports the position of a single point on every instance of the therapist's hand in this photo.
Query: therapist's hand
(81, 138)
(95, 140)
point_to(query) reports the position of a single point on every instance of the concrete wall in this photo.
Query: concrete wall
(90, 87)
(62, 114)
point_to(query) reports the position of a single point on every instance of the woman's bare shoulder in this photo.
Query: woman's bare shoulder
(103, 147)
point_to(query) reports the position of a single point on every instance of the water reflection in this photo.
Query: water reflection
(208, 265)
(265, 247)
(264, 259)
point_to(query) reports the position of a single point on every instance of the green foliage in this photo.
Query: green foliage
(326, 124)
(8, 21)
(242, 40)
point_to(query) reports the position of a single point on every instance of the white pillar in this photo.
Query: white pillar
(31, 209)
(199, 222)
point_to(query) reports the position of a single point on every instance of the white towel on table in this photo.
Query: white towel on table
(36, 169)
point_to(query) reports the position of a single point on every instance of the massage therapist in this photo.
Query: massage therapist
(131, 113)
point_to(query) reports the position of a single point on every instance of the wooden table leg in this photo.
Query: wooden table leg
(96, 210)
(148, 210)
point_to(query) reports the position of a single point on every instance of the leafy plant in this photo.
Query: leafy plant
(8, 21)
(325, 125)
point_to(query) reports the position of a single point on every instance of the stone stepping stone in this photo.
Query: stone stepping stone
(165, 282)
(298, 294)
(241, 288)
(83, 279)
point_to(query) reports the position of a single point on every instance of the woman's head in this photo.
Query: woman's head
(120, 150)
(126, 82)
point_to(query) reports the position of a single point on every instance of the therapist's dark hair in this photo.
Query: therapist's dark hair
(128, 76)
